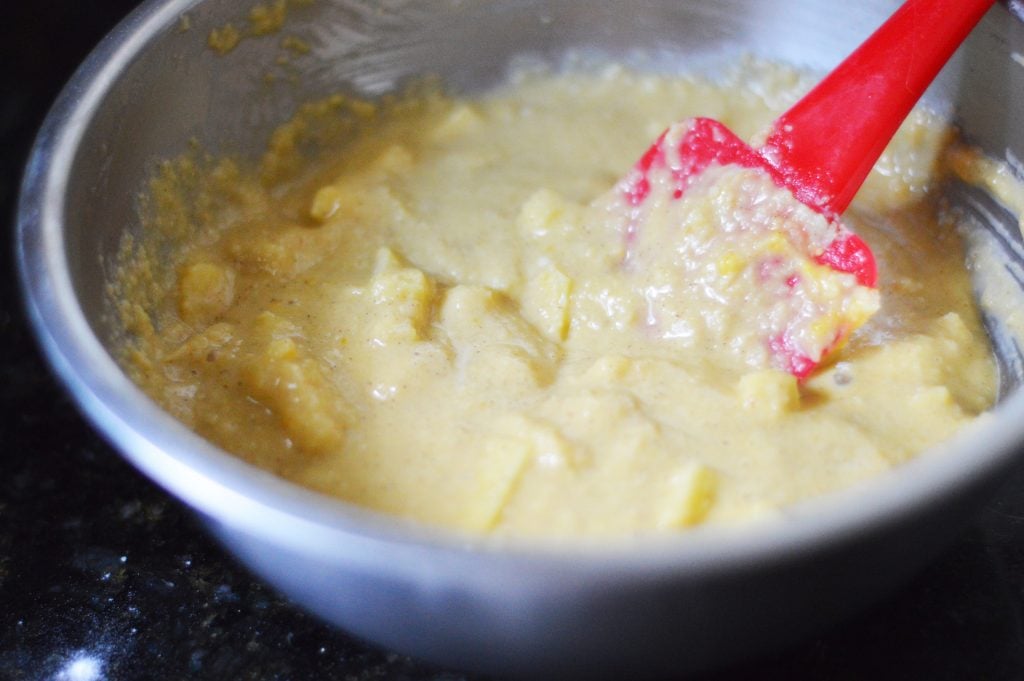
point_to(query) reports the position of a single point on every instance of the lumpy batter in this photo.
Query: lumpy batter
(441, 322)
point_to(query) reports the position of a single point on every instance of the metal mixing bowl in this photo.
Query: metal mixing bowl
(645, 607)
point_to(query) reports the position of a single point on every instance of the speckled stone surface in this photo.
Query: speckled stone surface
(104, 576)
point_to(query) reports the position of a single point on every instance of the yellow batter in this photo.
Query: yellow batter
(435, 322)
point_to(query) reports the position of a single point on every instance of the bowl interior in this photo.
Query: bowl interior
(155, 85)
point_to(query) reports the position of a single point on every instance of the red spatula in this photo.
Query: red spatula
(809, 296)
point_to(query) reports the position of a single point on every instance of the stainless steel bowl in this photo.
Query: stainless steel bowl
(634, 608)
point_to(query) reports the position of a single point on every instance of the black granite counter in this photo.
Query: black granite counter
(104, 576)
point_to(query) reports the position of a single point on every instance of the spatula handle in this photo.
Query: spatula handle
(827, 143)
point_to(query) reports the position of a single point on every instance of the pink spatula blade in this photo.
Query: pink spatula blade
(814, 284)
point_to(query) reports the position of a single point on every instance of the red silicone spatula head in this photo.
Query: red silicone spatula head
(820, 151)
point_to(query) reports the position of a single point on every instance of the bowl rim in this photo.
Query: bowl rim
(244, 497)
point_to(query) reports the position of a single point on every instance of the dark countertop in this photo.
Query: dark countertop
(104, 576)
